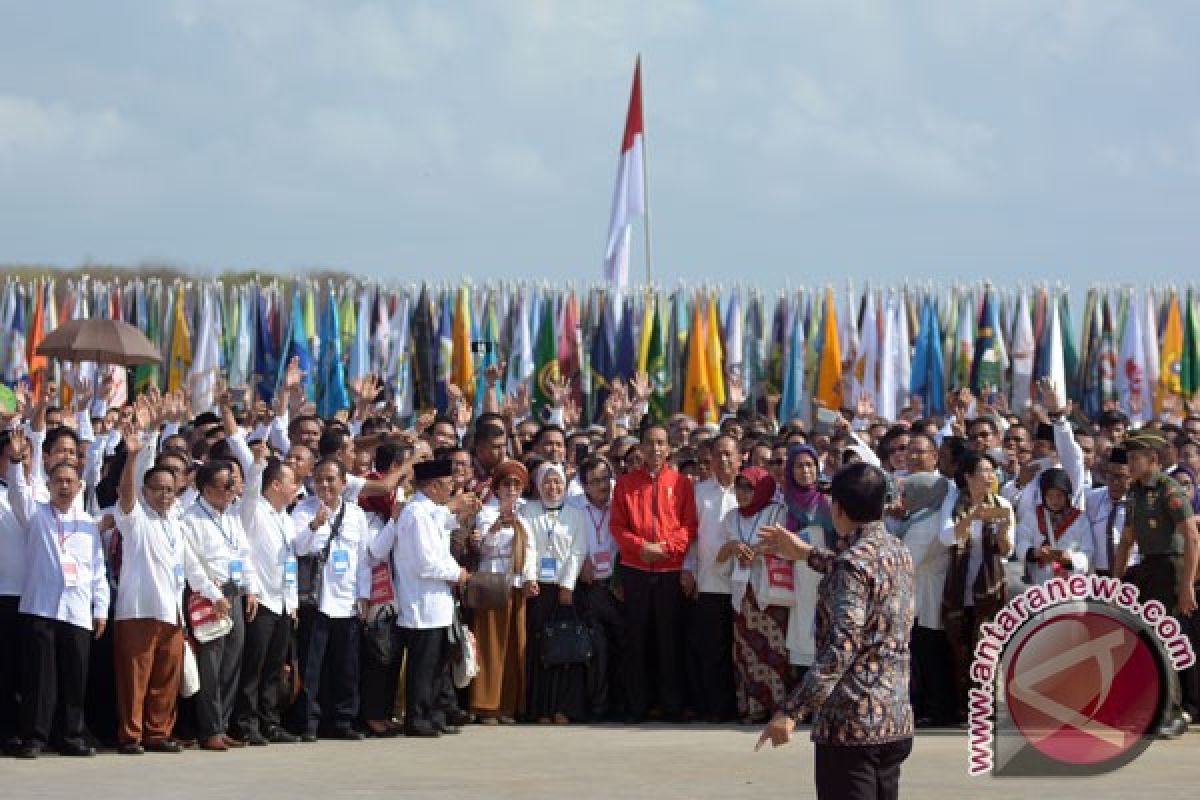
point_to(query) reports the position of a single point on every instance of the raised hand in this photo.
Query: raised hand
(736, 391)
(18, 446)
(293, 376)
(641, 387)
(494, 373)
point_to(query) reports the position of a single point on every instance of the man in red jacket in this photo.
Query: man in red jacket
(653, 522)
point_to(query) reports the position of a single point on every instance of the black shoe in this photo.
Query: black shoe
(634, 719)
(348, 734)
(75, 748)
(280, 736)
(422, 731)
(449, 730)
(255, 739)
(164, 746)
(459, 718)
(1173, 728)
(29, 750)
(131, 749)
(308, 738)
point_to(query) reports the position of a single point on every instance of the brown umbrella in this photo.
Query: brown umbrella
(105, 341)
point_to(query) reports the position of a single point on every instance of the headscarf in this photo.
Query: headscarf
(924, 490)
(764, 490)
(511, 468)
(1191, 473)
(539, 476)
(805, 506)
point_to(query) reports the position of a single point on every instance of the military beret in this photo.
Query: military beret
(1144, 440)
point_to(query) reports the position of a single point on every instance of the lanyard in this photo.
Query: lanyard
(167, 532)
(287, 547)
(753, 527)
(597, 524)
(231, 541)
(62, 534)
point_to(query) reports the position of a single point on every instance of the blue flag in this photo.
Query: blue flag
(928, 381)
(626, 355)
(266, 357)
(334, 395)
(297, 345)
(601, 361)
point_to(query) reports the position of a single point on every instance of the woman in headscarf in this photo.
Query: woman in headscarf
(558, 693)
(763, 591)
(809, 517)
(979, 534)
(1058, 540)
(497, 693)
(921, 496)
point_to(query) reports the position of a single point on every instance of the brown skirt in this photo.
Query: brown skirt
(499, 688)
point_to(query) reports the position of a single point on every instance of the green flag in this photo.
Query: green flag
(656, 368)
(545, 359)
(1189, 378)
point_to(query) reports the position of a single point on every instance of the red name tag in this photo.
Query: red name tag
(780, 574)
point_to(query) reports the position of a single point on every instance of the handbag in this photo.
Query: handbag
(464, 651)
(206, 624)
(189, 680)
(566, 641)
(380, 635)
(310, 569)
(487, 590)
(291, 682)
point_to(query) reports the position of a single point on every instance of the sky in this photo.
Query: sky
(789, 143)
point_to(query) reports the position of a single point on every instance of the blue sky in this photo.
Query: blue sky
(795, 142)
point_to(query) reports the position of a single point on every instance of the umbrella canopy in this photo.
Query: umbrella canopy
(105, 341)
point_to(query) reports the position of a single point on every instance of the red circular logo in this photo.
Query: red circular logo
(1083, 688)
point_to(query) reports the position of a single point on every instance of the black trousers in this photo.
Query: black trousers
(425, 677)
(10, 666)
(860, 772)
(1157, 578)
(709, 655)
(378, 679)
(260, 690)
(654, 652)
(220, 665)
(551, 690)
(602, 613)
(328, 662)
(932, 686)
(53, 677)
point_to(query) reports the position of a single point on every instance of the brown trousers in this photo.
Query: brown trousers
(149, 661)
(499, 688)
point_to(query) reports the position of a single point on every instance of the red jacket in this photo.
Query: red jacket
(649, 508)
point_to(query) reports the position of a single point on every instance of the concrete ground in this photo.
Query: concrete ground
(575, 763)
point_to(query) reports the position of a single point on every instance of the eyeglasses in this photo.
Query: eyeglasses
(777, 462)
(980, 435)
(165, 489)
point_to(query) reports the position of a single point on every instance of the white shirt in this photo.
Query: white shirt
(1099, 504)
(496, 547)
(1076, 541)
(155, 561)
(931, 561)
(418, 542)
(219, 542)
(271, 535)
(12, 550)
(65, 575)
(561, 548)
(713, 502)
(592, 523)
(745, 530)
(975, 558)
(347, 572)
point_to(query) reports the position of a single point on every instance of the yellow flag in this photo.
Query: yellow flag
(829, 373)
(1171, 354)
(462, 368)
(647, 329)
(697, 395)
(181, 345)
(714, 353)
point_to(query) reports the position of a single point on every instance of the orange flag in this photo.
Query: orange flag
(829, 373)
(697, 393)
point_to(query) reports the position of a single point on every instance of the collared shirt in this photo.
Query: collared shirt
(12, 549)
(593, 525)
(65, 576)
(496, 547)
(713, 502)
(1099, 509)
(561, 548)
(219, 542)
(857, 688)
(271, 535)
(418, 543)
(1155, 510)
(347, 572)
(155, 561)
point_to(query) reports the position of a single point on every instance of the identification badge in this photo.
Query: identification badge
(178, 577)
(70, 573)
(602, 562)
(341, 562)
(548, 570)
(235, 570)
(289, 573)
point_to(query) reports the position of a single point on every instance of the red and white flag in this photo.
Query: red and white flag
(629, 197)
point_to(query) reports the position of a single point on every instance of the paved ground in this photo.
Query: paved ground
(567, 764)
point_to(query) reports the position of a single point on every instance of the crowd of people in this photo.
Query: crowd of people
(253, 575)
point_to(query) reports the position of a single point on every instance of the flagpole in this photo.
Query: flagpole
(645, 176)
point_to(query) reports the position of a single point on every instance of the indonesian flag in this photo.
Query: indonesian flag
(629, 197)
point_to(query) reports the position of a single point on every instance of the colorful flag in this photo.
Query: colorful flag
(1171, 360)
(445, 353)
(181, 344)
(927, 380)
(656, 366)
(986, 368)
(546, 369)
(829, 372)
(462, 369)
(333, 395)
(697, 396)
(424, 360)
(714, 354)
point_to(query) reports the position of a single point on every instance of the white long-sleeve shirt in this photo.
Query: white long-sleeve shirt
(12, 549)
(1099, 506)
(219, 542)
(155, 562)
(347, 572)
(271, 535)
(1070, 456)
(1076, 541)
(496, 549)
(975, 557)
(418, 543)
(713, 502)
(65, 576)
(561, 548)
(592, 523)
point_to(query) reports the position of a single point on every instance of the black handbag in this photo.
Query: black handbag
(310, 569)
(566, 641)
(380, 635)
